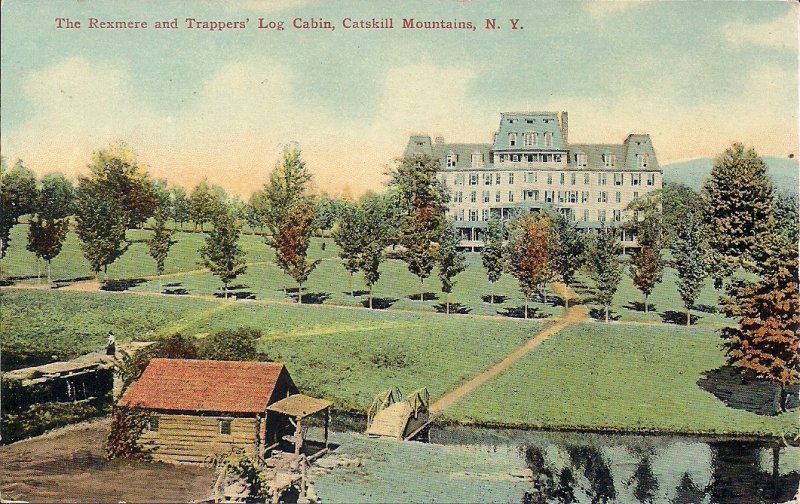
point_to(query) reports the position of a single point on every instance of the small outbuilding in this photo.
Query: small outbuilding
(199, 409)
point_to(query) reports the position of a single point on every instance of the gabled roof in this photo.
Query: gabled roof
(200, 385)
(299, 406)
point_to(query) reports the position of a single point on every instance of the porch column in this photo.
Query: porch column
(298, 437)
(327, 421)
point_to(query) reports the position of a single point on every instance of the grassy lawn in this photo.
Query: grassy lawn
(594, 376)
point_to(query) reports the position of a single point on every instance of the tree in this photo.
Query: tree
(689, 259)
(568, 253)
(56, 197)
(6, 211)
(231, 344)
(604, 266)
(492, 252)
(221, 253)
(530, 248)
(290, 216)
(205, 202)
(347, 235)
(160, 241)
(325, 214)
(422, 202)
(765, 343)
(257, 210)
(46, 238)
(676, 201)
(19, 188)
(180, 206)
(739, 202)
(647, 267)
(100, 223)
(451, 261)
(786, 217)
(373, 235)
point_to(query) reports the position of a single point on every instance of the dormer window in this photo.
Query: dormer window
(580, 159)
(477, 160)
(529, 121)
(643, 160)
(548, 139)
(531, 139)
(451, 160)
(512, 139)
(609, 160)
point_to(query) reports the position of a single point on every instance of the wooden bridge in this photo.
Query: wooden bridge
(392, 416)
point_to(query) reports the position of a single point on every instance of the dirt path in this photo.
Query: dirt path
(575, 315)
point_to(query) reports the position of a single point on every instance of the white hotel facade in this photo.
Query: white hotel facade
(530, 166)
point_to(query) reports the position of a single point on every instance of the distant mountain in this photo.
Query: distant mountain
(785, 173)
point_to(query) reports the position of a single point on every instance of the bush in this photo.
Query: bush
(40, 418)
(127, 424)
(231, 344)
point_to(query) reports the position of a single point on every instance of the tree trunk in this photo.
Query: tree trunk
(544, 294)
(160, 288)
(645, 303)
(225, 290)
(784, 399)
(606, 314)
(299, 293)
(526, 307)
(105, 271)
(38, 270)
(352, 294)
(370, 297)
(447, 303)
(491, 297)
(48, 272)
(421, 287)
(688, 318)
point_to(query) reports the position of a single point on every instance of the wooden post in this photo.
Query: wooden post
(327, 421)
(298, 437)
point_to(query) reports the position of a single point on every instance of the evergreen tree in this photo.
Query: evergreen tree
(739, 204)
(221, 253)
(689, 259)
(492, 252)
(160, 242)
(604, 266)
(786, 217)
(347, 235)
(765, 343)
(530, 251)
(421, 205)
(451, 261)
(568, 253)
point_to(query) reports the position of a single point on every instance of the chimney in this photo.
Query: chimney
(564, 127)
(439, 140)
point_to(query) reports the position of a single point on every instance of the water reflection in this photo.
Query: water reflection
(600, 468)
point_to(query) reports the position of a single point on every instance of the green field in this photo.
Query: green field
(329, 283)
(591, 376)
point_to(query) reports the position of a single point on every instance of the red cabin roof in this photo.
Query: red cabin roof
(204, 385)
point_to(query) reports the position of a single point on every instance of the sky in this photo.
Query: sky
(196, 103)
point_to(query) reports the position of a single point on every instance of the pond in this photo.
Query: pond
(594, 468)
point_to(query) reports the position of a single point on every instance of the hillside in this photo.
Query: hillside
(784, 173)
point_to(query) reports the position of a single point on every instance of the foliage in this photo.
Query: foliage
(231, 344)
(451, 261)
(647, 266)
(767, 339)
(688, 251)
(492, 252)
(568, 252)
(325, 213)
(530, 251)
(257, 210)
(739, 204)
(786, 217)
(19, 190)
(160, 241)
(127, 424)
(180, 211)
(248, 469)
(677, 200)
(6, 212)
(177, 346)
(205, 203)
(347, 235)
(222, 253)
(421, 205)
(45, 238)
(56, 197)
(604, 266)
(37, 419)
(372, 236)
(100, 223)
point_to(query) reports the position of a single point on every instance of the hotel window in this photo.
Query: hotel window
(619, 178)
(486, 196)
(225, 426)
(618, 197)
(473, 197)
(458, 197)
(451, 160)
(459, 179)
(586, 215)
(530, 139)
(617, 215)
(651, 179)
(487, 179)
(530, 177)
(549, 178)
(572, 179)
(635, 195)
(585, 179)
(546, 158)
(511, 196)
(529, 158)
(477, 160)
(601, 215)
(510, 178)
(557, 158)
(548, 139)
(461, 214)
(601, 179)
(548, 196)
(497, 197)
(473, 179)
(573, 196)
(473, 215)
(502, 158)
(515, 158)
(485, 214)
(584, 196)
(609, 160)
(602, 197)
(643, 160)
(497, 179)
(580, 159)
(562, 177)
(512, 139)
(636, 179)
(561, 196)
(152, 424)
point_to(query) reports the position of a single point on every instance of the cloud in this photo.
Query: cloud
(780, 33)
(603, 8)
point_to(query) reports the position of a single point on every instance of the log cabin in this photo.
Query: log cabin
(199, 409)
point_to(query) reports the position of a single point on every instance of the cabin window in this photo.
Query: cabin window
(152, 424)
(225, 426)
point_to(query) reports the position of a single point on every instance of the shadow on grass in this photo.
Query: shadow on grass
(456, 308)
(180, 291)
(356, 293)
(234, 295)
(519, 312)
(426, 296)
(706, 308)
(498, 299)
(314, 297)
(121, 285)
(740, 392)
(63, 282)
(379, 303)
(5, 282)
(173, 284)
(639, 306)
(600, 314)
(676, 317)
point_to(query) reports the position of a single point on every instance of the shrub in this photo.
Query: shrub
(231, 344)
(127, 424)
